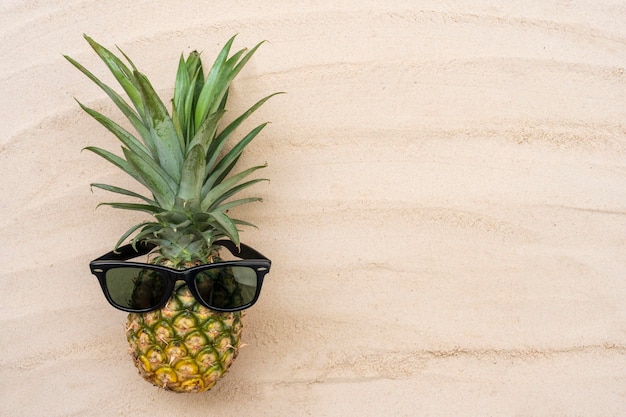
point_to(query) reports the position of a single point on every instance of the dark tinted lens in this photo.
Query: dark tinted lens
(136, 288)
(227, 287)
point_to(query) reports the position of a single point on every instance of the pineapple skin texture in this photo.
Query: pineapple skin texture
(184, 347)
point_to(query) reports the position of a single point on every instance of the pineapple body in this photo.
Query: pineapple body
(184, 347)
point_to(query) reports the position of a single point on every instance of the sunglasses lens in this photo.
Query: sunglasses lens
(227, 287)
(136, 288)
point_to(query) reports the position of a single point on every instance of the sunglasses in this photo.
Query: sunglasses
(222, 286)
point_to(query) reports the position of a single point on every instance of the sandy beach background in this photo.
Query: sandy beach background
(446, 214)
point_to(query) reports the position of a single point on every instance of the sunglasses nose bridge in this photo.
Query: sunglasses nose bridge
(186, 276)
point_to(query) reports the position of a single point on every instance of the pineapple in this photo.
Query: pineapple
(182, 160)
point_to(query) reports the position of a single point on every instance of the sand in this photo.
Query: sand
(446, 214)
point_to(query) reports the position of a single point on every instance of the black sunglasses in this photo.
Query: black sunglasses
(222, 286)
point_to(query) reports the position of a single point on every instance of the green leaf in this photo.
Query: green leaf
(149, 231)
(168, 145)
(154, 178)
(226, 171)
(244, 223)
(216, 194)
(227, 162)
(196, 74)
(118, 162)
(190, 101)
(132, 65)
(181, 94)
(219, 142)
(210, 85)
(176, 116)
(227, 226)
(193, 64)
(146, 208)
(206, 132)
(131, 231)
(192, 175)
(245, 60)
(120, 71)
(233, 69)
(132, 116)
(154, 166)
(227, 206)
(180, 157)
(231, 192)
(123, 135)
(123, 191)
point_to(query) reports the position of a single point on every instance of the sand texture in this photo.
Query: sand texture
(446, 214)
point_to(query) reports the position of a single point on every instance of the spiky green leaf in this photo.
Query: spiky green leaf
(118, 162)
(146, 208)
(183, 159)
(227, 188)
(226, 171)
(206, 133)
(233, 66)
(147, 232)
(155, 178)
(122, 134)
(232, 204)
(218, 144)
(123, 191)
(227, 226)
(121, 72)
(132, 116)
(169, 147)
(244, 223)
(211, 85)
(231, 157)
(131, 231)
(233, 191)
(182, 92)
(192, 176)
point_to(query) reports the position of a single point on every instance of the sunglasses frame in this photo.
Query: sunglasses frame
(116, 259)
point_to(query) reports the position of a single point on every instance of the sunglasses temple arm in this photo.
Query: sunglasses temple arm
(126, 252)
(244, 251)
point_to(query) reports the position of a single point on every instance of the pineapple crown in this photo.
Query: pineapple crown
(180, 158)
